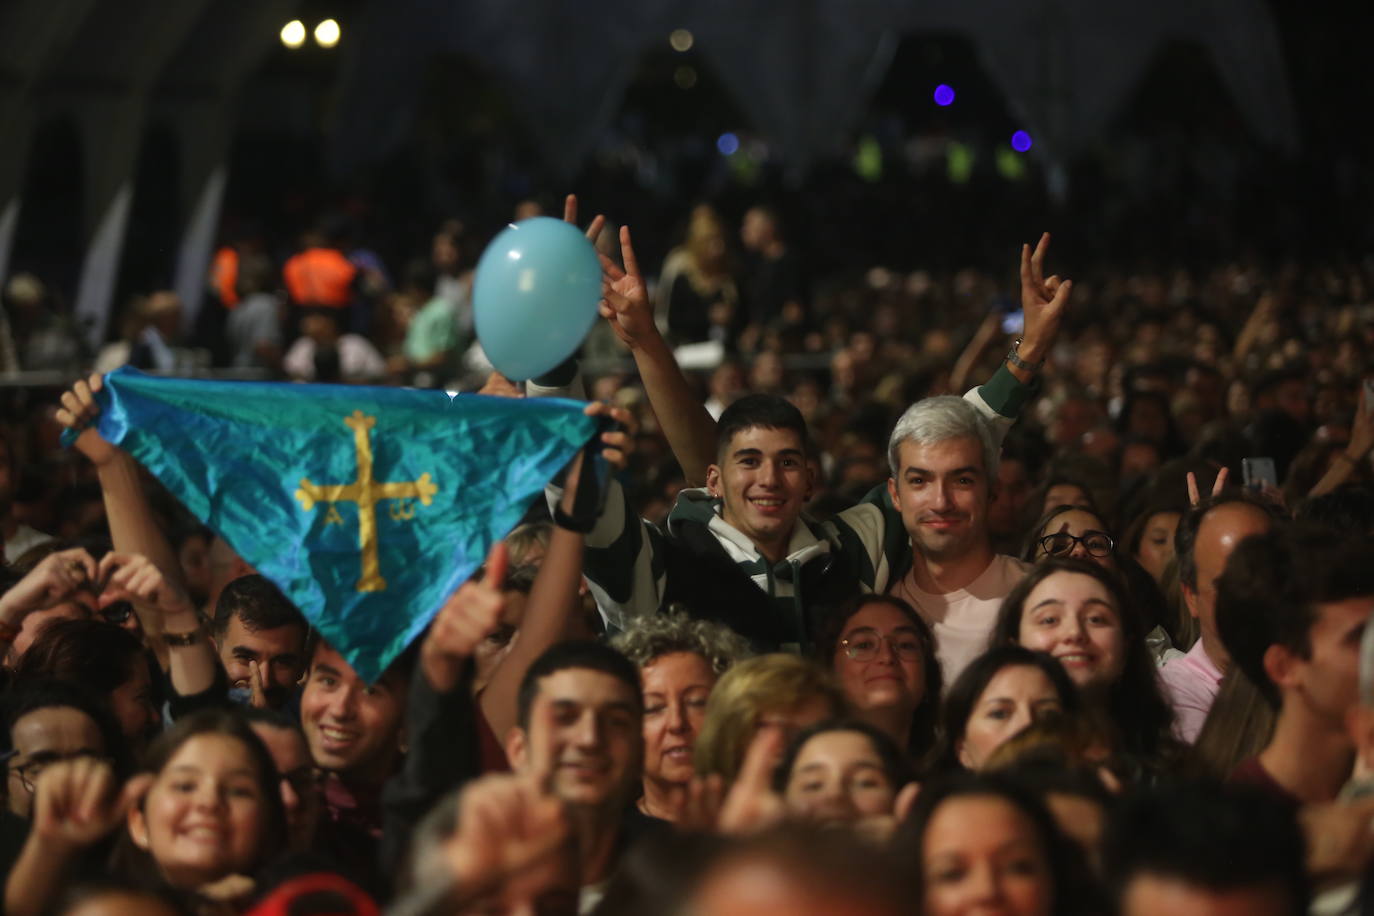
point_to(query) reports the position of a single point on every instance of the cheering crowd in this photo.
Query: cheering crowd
(912, 600)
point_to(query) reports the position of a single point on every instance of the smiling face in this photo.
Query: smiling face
(585, 730)
(676, 687)
(205, 815)
(981, 854)
(894, 677)
(352, 729)
(1074, 618)
(1014, 698)
(839, 777)
(764, 481)
(941, 491)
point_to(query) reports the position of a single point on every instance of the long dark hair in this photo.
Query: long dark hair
(964, 694)
(138, 865)
(1134, 702)
(925, 718)
(1069, 890)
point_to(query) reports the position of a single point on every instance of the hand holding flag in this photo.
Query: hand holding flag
(368, 507)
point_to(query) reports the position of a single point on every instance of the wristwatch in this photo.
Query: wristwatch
(1015, 359)
(180, 640)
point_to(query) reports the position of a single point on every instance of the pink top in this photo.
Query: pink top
(1190, 684)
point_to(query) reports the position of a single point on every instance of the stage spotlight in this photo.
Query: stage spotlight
(1021, 141)
(681, 40)
(728, 144)
(944, 96)
(327, 33)
(293, 34)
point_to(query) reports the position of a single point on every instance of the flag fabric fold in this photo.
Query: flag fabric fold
(366, 506)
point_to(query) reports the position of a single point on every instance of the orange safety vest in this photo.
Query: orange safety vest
(320, 276)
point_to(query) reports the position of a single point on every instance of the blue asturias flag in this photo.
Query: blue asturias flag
(367, 506)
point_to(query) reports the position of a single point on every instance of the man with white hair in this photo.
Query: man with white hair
(943, 456)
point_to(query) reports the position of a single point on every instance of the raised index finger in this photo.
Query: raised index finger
(570, 209)
(627, 252)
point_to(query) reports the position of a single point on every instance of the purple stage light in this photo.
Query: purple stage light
(944, 95)
(1020, 141)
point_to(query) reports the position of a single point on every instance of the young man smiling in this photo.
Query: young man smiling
(743, 536)
(581, 732)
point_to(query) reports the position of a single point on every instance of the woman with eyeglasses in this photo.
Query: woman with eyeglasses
(883, 655)
(1071, 531)
(1078, 613)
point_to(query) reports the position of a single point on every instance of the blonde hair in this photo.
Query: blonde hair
(744, 694)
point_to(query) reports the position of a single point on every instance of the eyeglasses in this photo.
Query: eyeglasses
(1062, 544)
(29, 772)
(863, 645)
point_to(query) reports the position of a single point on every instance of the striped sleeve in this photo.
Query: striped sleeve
(623, 561)
(859, 534)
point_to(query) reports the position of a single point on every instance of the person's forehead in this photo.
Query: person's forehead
(585, 687)
(53, 728)
(841, 747)
(290, 637)
(1338, 617)
(1226, 526)
(879, 616)
(958, 452)
(766, 439)
(1151, 893)
(1076, 520)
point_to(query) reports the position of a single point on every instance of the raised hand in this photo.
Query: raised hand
(751, 804)
(617, 442)
(570, 216)
(1194, 497)
(1042, 300)
(466, 618)
(77, 802)
(79, 411)
(52, 581)
(625, 298)
(133, 577)
(509, 839)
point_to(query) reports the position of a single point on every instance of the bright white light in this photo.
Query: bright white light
(293, 34)
(681, 40)
(327, 33)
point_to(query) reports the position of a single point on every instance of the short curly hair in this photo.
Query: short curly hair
(650, 637)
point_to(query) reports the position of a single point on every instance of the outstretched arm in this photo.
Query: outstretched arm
(132, 526)
(690, 430)
(554, 598)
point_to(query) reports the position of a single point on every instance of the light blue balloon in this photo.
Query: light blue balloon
(534, 296)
